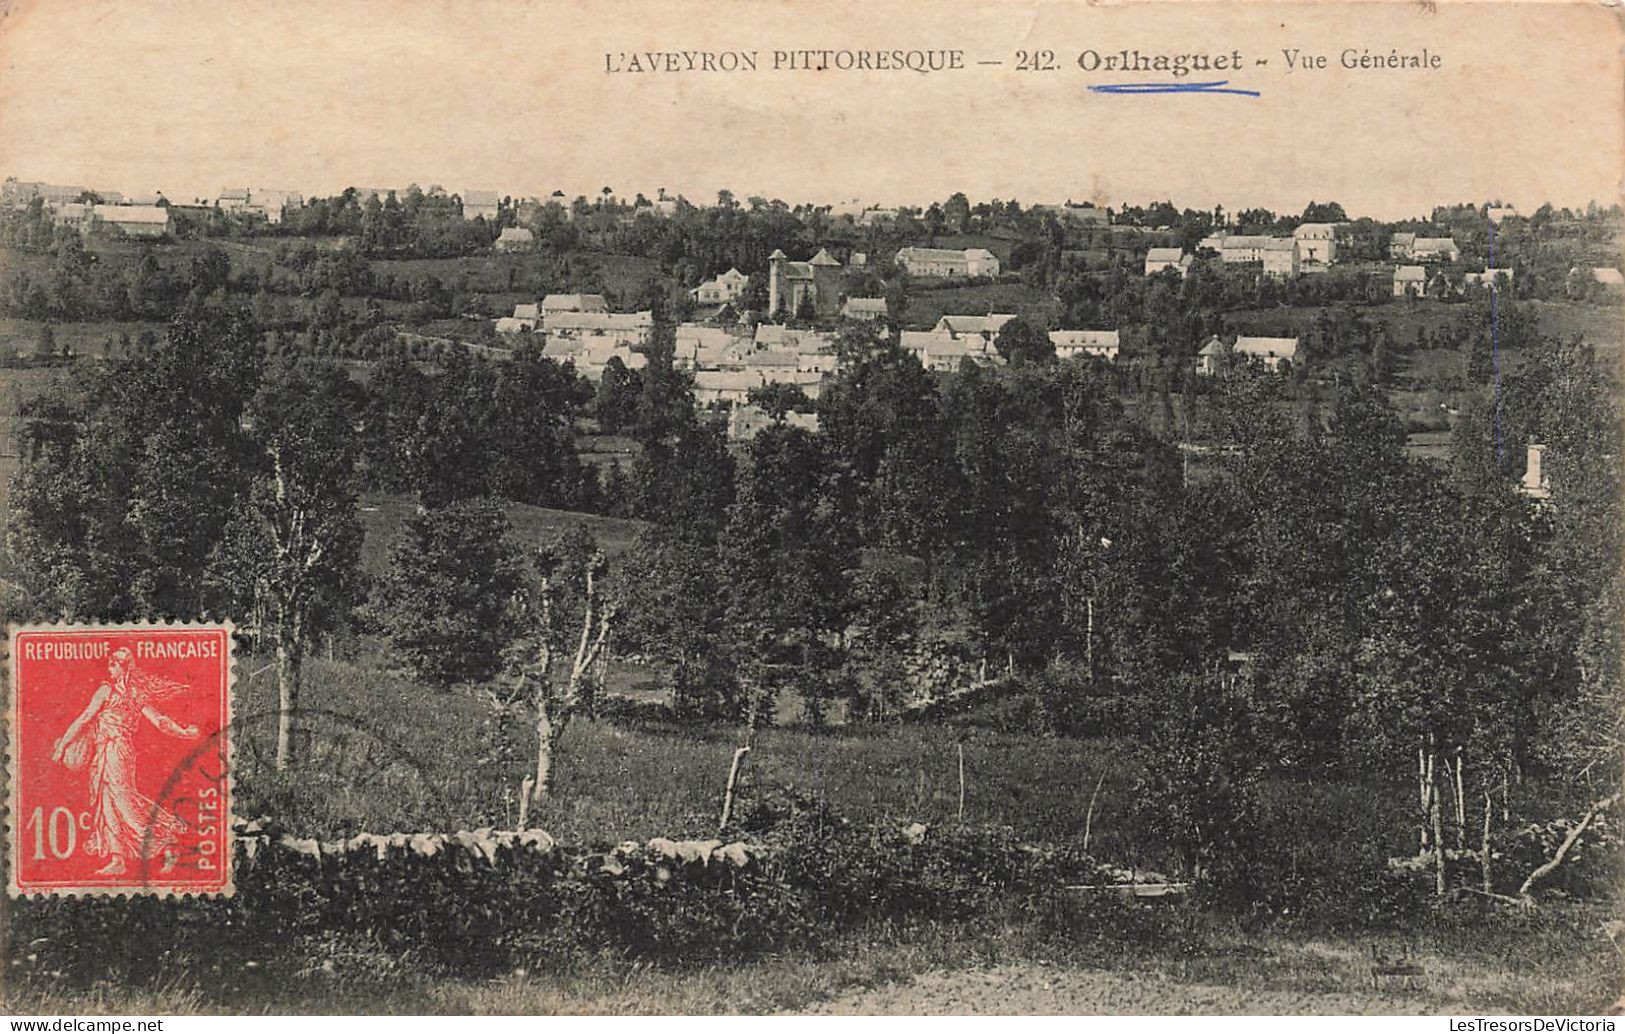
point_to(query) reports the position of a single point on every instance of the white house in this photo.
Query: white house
(1084, 344)
(1274, 352)
(1159, 259)
(701, 347)
(956, 338)
(478, 203)
(725, 287)
(1281, 257)
(514, 238)
(1317, 245)
(574, 303)
(1410, 281)
(1244, 247)
(864, 309)
(1490, 278)
(1440, 248)
(946, 262)
(625, 328)
(134, 220)
(270, 202)
(232, 199)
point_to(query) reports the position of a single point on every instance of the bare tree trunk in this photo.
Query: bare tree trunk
(1424, 791)
(1438, 837)
(542, 782)
(1461, 803)
(290, 649)
(961, 783)
(1089, 816)
(1484, 846)
(733, 781)
(1563, 849)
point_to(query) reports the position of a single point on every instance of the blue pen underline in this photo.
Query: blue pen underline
(1222, 86)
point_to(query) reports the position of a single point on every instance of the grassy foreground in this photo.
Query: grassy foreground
(1557, 963)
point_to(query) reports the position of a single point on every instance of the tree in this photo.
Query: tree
(786, 554)
(450, 600)
(673, 609)
(573, 566)
(779, 398)
(616, 403)
(297, 542)
(1021, 342)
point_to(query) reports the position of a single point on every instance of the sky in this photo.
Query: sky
(193, 97)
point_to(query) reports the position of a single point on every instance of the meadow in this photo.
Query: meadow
(406, 757)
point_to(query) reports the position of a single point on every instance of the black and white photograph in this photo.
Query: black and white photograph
(961, 507)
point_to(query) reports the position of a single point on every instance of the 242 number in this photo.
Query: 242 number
(1035, 61)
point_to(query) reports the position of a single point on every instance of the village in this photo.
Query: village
(1044, 557)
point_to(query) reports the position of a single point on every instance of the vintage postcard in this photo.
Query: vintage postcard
(901, 507)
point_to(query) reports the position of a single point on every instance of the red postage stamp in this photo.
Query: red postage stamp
(120, 760)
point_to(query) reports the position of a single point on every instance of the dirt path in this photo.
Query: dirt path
(1047, 991)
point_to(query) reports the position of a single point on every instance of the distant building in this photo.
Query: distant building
(1212, 242)
(590, 355)
(1439, 248)
(1211, 355)
(810, 351)
(1410, 282)
(526, 317)
(946, 262)
(864, 309)
(1400, 245)
(1273, 352)
(1608, 276)
(481, 203)
(1490, 278)
(271, 203)
(232, 199)
(699, 347)
(713, 387)
(1071, 214)
(134, 220)
(725, 287)
(20, 192)
(1281, 257)
(791, 285)
(1159, 259)
(747, 421)
(1317, 245)
(955, 339)
(1244, 247)
(514, 238)
(574, 303)
(1085, 344)
(877, 216)
(627, 329)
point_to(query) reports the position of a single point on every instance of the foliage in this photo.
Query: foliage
(449, 601)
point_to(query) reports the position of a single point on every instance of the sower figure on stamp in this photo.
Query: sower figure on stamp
(124, 820)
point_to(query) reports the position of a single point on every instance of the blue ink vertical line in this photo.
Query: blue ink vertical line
(1495, 349)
